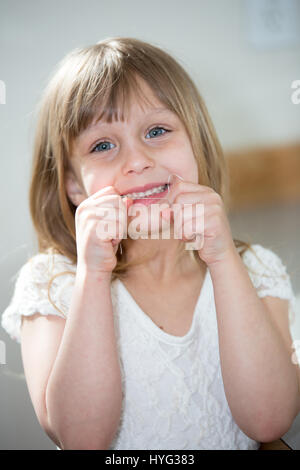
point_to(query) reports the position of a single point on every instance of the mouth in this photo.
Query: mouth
(154, 192)
(150, 196)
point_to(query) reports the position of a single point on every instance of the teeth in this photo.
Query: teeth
(159, 189)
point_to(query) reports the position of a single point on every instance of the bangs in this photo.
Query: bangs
(108, 101)
(98, 83)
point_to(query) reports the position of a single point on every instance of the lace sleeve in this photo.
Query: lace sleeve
(33, 292)
(269, 276)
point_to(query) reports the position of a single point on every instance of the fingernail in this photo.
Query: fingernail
(128, 201)
(173, 178)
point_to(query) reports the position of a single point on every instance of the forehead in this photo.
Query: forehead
(127, 102)
(134, 100)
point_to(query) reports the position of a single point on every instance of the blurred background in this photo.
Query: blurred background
(244, 57)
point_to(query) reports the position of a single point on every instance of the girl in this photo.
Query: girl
(145, 344)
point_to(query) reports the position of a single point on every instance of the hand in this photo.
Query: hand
(217, 238)
(96, 250)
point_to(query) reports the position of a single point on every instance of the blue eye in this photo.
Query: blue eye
(157, 131)
(105, 144)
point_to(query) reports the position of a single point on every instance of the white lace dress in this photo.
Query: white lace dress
(173, 393)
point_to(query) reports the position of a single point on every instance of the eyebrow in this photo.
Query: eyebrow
(100, 123)
(93, 128)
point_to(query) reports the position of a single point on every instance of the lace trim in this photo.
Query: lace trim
(173, 394)
(269, 276)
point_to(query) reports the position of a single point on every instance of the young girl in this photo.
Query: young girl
(145, 344)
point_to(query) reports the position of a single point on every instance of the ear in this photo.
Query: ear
(73, 188)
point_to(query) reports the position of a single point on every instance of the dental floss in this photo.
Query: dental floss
(170, 176)
(197, 243)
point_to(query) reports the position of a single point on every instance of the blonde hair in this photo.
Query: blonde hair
(99, 76)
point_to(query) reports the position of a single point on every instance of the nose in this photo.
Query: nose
(137, 165)
(136, 161)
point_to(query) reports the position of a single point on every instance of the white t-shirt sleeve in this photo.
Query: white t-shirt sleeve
(269, 276)
(31, 294)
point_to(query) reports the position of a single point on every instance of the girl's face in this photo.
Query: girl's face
(147, 147)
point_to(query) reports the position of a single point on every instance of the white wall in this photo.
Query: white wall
(247, 93)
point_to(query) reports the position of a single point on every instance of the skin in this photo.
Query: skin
(261, 382)
(133, 157)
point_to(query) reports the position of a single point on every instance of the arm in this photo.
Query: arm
(63, 380)
(260, 380)
(84, 394)
(40, 339)
(72, 365)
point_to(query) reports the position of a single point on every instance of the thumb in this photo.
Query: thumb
(128, 202)
(166, 213)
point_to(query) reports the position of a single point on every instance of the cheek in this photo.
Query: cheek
(94, 180)
(191, 166)
(192, 169)
(184, 163)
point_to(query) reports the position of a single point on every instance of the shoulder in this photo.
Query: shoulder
(39, 269)
(42, 285)
(269, 274)
(48, 275)
(260, 260)
(42, 266)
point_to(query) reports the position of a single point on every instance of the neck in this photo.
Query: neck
(164, 262)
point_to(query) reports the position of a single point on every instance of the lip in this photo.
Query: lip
(142, 189)
(154, 199)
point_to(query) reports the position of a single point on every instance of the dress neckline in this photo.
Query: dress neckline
(149, 324)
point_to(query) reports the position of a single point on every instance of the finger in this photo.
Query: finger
(127, 201)
(115, 244)
(190, 198)
(115, 221)
(110, 200)
(111, 229)
(189, 229)
(114, 200)
(114, 205)
(196, 244)
(104, 191)
(183, 187)
(166, 213)
(113, 210)
(171, 213)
